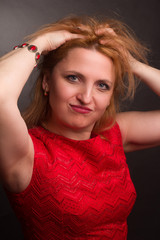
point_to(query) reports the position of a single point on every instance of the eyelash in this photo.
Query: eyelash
(72, 78)
(105, 86)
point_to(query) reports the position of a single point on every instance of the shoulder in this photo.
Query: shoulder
(38, 135)
(139, 129)
(41, 141)
(36, 131)
(113, 134)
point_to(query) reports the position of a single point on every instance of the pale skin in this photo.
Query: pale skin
(139, 130)
(80, 87)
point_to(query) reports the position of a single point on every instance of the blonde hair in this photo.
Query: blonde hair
(115, 46)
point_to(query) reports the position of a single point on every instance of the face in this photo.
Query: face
(80, 88)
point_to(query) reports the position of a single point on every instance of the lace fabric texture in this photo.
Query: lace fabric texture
(79, 189)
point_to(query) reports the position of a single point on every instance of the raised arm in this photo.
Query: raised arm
(141, 129)
(16, 147)
(148, 74)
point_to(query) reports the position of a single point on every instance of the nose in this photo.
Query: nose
(85, 95)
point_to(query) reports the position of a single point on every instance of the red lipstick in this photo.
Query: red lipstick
(80, 109)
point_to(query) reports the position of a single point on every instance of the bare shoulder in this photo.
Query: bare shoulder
(139, 129)
(122, 120)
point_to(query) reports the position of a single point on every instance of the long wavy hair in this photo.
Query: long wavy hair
(116, 46)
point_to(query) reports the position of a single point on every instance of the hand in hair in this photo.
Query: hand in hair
(52, 40)
(107, 30)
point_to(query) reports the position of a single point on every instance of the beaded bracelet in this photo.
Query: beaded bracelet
(31, 48)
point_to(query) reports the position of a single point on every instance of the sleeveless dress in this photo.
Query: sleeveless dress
(80, 190)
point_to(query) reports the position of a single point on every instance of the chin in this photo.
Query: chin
(81, 126)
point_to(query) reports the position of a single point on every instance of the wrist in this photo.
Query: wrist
(31, 48)
(134, 64)
(40, 43)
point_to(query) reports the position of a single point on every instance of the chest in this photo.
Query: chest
(86, 185)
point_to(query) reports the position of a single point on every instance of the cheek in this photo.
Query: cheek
(61, 93)
(103, 102)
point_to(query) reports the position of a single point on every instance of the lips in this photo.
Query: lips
(81, 109)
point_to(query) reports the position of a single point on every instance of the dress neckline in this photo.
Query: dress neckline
(53, 135)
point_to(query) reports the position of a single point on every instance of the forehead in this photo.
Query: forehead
(87, 61)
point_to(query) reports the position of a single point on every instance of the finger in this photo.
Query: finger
(77, 35)
(82, 28)
(103, 31)
(71, 36)
(105, 41)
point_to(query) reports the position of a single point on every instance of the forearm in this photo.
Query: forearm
(149, 75)
(15, 69)
(16, 66)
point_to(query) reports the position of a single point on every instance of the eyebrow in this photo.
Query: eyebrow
(83, 77)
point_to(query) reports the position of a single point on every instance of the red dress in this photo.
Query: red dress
(79, 189)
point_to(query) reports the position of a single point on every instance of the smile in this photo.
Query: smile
(80, 109)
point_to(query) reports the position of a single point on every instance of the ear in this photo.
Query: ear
(45, 83)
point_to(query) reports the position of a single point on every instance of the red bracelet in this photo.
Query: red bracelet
(31, 48)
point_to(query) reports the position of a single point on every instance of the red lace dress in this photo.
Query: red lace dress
(79, 189)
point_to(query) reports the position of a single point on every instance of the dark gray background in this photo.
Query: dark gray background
(19, 18)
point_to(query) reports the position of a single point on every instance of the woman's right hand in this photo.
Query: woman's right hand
(52, 40)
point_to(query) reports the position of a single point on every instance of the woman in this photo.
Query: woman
(68, 178)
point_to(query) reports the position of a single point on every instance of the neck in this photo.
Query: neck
(71, 133)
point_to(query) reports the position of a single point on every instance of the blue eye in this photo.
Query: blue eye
(104, 86)
(72, 78)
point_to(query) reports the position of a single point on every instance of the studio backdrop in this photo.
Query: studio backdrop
(20, 18)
